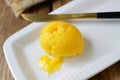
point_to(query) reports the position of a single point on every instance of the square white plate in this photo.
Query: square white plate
(101, 37)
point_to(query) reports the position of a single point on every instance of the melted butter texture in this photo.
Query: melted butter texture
(50, 65)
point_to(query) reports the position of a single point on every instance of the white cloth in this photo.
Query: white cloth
(18, 6)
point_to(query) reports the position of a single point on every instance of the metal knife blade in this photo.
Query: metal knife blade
(53, 17)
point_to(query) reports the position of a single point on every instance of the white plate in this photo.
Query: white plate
(102, 45)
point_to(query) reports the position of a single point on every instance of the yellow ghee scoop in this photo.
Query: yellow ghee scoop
(59, 39)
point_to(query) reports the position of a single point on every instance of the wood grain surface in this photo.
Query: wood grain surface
(9, 25)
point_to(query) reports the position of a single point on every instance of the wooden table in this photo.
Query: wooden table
(9, 25)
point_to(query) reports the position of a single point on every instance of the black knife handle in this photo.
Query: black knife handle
(114, 15)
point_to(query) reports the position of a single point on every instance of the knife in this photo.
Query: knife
(53, 17)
